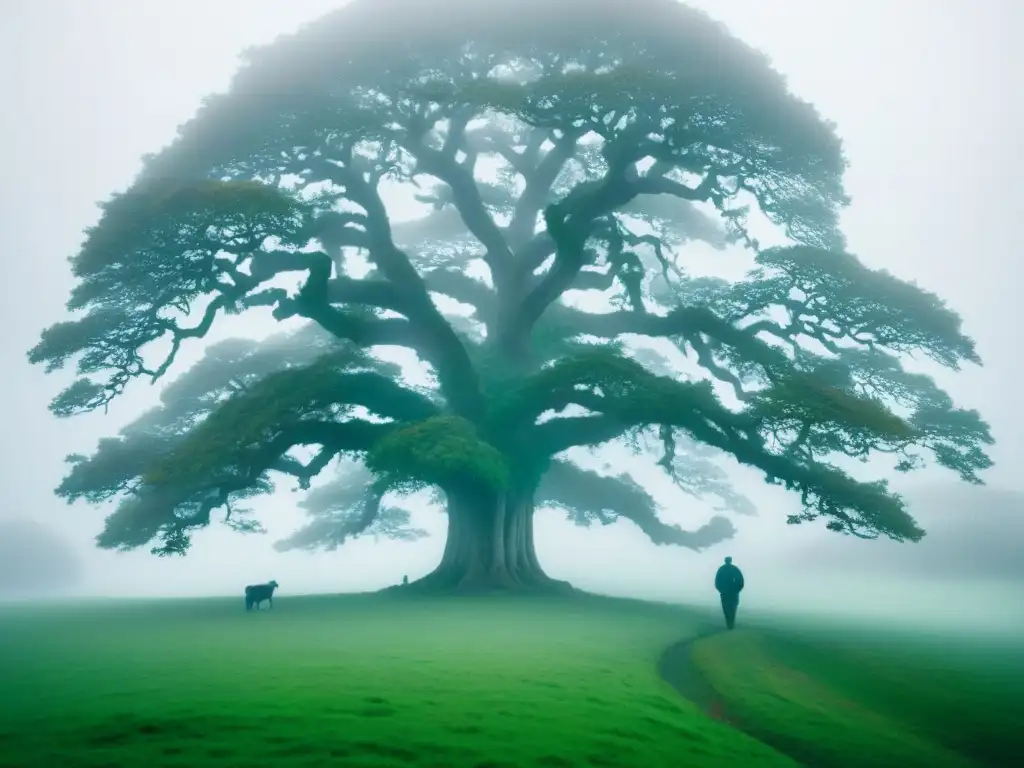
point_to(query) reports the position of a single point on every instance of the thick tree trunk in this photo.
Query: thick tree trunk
(489, 548)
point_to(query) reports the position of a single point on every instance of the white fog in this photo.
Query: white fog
(926, 99)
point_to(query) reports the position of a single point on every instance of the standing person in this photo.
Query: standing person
(729, 583)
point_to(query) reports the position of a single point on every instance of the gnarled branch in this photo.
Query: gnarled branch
(589, 496)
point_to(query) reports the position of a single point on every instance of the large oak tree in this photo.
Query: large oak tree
(564, 148)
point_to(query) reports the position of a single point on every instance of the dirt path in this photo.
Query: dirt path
(677, 668)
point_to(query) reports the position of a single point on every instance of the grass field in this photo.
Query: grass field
(871, 699)
(511, 682)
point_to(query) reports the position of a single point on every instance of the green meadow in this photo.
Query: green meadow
(505, 682)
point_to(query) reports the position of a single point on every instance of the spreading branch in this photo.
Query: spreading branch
(349, 506)
(588, 497)
(466, 197)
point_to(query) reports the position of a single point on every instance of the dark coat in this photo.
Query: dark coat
(729, 580)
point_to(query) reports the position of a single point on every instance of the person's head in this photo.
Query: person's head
(728, 561)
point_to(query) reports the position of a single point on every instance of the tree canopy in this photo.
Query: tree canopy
(567, 155)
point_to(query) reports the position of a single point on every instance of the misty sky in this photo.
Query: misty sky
(926, 99)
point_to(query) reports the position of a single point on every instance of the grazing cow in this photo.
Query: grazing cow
(257, 593)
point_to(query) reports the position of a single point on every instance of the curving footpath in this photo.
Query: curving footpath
(677, 668)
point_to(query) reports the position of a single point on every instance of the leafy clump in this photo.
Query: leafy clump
(247, 421)
(239, 431)
(444, 451)
(805, 399)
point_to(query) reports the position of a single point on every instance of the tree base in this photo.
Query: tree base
(445, 581)
(488, 550)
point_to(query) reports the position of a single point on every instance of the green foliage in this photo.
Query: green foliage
(137, 228)
(167, 515)
(234, 365)
(806, 400)
(601, 378)
(116, 467)
(157, 250)
(245, 424)
(200, 467)
(620, 389)
(442, 450)
(226, 369)
(843, 299)
(248, 420)
(954, 436)
(697, 96)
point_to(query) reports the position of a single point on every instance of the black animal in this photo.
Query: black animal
(257, 593)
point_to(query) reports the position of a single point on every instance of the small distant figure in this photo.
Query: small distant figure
(405, 581)
(257, 593)
(729, 583)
